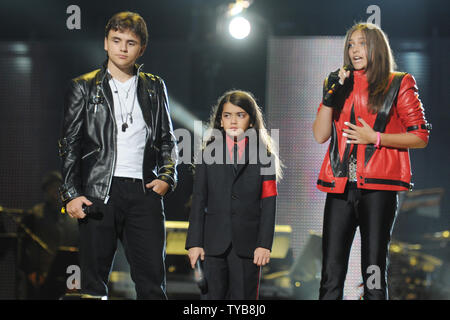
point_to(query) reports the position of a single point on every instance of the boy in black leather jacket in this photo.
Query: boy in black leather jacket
(117, 162)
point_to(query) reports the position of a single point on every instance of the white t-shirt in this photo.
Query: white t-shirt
(131, 143)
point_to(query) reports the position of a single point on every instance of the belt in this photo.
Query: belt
(125, 179)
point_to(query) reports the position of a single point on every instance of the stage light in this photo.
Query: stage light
(238, 7)
(235, 10)
(239, 28)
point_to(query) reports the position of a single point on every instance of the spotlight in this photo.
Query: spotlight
(238, 7)
(235, 10)
(239, 27)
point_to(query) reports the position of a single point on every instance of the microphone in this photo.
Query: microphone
(92, 210)
(333, 88)
(199, 277)
(86, 209)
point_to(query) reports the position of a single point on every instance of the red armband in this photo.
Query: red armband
(269, 189)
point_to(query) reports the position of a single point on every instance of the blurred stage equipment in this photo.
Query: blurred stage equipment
(56, 282)
(12, 231)
(10, 248)
(443, 236)
(419, 213)
(419, 259)
(297, 279)
(439, 244)
(9, 254)
(412, 273)
(305, 273)
(425, 202)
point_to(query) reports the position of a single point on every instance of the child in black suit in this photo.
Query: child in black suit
(232, 218)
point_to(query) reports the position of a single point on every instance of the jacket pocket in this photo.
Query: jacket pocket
(154, 194)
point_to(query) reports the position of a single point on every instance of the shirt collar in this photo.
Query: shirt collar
(241, 144)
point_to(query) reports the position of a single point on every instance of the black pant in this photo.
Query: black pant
(374, 212)
(137, 219)
(231, 277)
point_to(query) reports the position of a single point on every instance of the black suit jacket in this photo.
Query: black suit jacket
(227, 206)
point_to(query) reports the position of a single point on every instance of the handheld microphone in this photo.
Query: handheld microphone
(333, 88)
(86, 209)
(92, 211)
(348, 67)
(199, 277)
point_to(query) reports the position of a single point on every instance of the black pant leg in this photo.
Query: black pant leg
(217, 276)
(243, 277)
(144, 242)
(97, 246)
(377, 210)
(231, 277)
(339, 226)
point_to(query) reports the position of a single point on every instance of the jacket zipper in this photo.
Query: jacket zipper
(154, 128)
(143, 157)
(115, 142)
(146, 134)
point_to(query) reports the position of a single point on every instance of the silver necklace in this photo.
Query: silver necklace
(127, 114)
(126, 91)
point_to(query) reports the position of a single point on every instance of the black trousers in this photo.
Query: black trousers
(137, 219)
(374, 212)
(231, 277)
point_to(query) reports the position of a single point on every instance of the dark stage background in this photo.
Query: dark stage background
(190, 48)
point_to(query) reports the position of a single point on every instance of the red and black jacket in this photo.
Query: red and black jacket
(382, 168)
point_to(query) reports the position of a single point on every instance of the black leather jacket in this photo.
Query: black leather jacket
(88, 144)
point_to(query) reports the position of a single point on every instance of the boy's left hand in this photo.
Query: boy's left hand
(261, 256)
(159, 186)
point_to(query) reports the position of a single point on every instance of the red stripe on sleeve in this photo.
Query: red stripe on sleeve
(269, 189)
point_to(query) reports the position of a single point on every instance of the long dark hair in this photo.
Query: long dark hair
(246, 101)
(380, 62)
